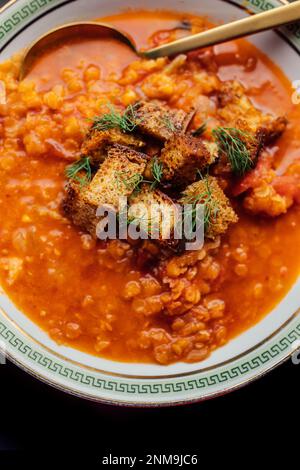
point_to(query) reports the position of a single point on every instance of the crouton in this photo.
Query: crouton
(272, 128)
(159, 121)
(97, 141)
(254, 141)
(238, 148)
(77, 209)
(118, 176)
(235, 107)
(218, 213)
(182, 156)
(156, 214)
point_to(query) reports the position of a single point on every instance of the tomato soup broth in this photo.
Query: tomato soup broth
(92, 295)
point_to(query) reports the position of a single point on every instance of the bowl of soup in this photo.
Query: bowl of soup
(148, 321)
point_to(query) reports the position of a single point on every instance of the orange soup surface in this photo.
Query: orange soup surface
(95, 296)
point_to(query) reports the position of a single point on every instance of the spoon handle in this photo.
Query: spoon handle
(252, 24)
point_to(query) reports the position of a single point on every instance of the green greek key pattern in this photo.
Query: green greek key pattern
(109, 384)
(259, 5)
(23, 13)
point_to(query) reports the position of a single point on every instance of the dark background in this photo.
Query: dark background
(256, 425)
(259, 420)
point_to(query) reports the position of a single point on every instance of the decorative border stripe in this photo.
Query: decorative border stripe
(141, 386)
(22, 14)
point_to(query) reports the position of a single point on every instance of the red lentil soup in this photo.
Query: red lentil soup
(92, 295)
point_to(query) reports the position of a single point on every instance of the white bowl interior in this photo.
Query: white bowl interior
(283, 55)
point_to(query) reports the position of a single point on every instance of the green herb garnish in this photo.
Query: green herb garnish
(168, 123)
(157, 172)
(207, 200)
(200, 130)
(232, 142)
(83, 165)
(131, 182)
(126, 122)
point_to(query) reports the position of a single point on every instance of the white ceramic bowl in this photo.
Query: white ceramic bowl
(244, 358)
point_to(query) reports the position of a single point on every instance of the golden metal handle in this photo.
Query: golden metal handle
(253, 24)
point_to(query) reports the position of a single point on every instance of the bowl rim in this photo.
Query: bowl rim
(79, 380)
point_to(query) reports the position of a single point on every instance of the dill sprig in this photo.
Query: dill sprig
(81, 166)
(126, 122)
(157, 172)
(131, 182)
(200, 130)
(232, 142)
(168, 123)
(205, 199)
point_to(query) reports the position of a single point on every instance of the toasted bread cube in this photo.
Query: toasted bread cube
(156, 214)
(182, 156)
(217, 210)
(117, 177)
(97, 141)
(272, 128)
(81, 212)
(236, 108)
(251, 145)
(161, 122)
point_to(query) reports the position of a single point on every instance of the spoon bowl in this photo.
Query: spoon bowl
(252, 24)
(67, 31)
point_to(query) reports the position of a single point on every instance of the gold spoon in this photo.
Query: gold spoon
(236, 29)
